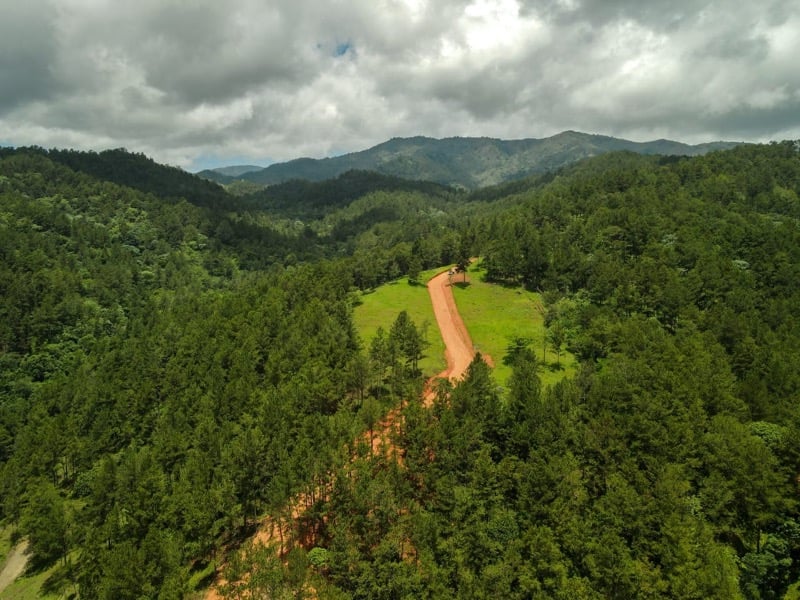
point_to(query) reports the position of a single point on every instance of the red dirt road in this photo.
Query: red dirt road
(459, 352)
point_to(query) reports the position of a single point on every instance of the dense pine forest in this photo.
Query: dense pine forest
(177, 361)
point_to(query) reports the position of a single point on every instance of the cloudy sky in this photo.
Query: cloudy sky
(209, 82)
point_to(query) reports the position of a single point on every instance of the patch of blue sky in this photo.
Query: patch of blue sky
(337, 50)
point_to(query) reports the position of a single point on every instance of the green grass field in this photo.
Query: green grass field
(493, 315)
(379, 308)
(5, 543)
(29, 586)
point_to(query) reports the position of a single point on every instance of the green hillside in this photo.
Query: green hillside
(310, 200)
(178, 364)
(468, 162)
(236, 170)
(379, 307)
(494, 315)
(497, 315)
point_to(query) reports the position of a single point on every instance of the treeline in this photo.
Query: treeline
(712, 242)
(641, 479)
(174, 365)
(141, 173)
(170, 371)
(314, 200)
(667, 468)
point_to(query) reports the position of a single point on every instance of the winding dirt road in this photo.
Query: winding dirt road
(459, 352)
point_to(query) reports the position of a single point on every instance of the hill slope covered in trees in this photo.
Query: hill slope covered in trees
(465, 162)
(175, 366)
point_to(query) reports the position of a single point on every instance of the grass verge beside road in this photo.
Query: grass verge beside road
(495, 314)
(380, 307)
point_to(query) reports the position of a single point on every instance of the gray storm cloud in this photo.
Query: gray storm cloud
(198, 80)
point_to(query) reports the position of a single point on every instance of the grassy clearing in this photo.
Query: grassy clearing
(793, 593)
(379, 308)
(200, 579)
(37, 585)
(50, 583)
(495, 314)
(29, 587)
(5, 543)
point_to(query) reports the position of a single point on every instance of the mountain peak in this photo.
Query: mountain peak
(470, 162)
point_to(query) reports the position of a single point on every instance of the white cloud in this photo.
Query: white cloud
(276, 80)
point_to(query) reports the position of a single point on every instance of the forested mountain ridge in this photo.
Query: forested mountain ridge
(139, 172)
(466, 162)
(310, 200)
(174, 368)
(111, 297)
(233, 170)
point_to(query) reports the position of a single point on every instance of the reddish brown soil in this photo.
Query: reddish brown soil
(459, 352)
(458, 345)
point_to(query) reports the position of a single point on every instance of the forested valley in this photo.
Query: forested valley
(177, 361)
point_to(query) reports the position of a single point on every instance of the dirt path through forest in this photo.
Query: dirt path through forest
(14, 566)
(459, 352)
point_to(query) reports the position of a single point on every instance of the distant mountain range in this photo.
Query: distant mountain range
(467, 162)
(236, 170)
